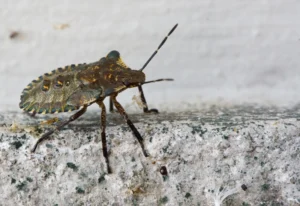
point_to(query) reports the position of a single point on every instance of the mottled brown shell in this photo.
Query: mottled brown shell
(67, 89)
(50, 92)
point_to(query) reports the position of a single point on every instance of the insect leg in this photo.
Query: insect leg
(60, 126)
(146, 110)
(130, 124)
(111, 106)
(103, 136)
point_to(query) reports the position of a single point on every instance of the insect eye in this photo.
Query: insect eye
(46, 85)
(113, 55)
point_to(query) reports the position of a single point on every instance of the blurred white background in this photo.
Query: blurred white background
(222, 51)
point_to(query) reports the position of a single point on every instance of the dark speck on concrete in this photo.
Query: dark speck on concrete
(244, 187)
(13, 181)
(165, 130)
(265, 187)
(22, 186)
(72, 166)
(79, 190)
(164, 200)
(187, 195)
(49, 145)
(17, 144)
(101, 178)
(29, 179)
(163, 170)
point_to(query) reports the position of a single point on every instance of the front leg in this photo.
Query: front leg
(146, 110)
(143, 99)
(130, 124)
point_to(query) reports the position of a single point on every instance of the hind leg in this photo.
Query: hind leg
(59, 127)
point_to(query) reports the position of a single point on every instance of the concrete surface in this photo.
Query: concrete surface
(210, 155)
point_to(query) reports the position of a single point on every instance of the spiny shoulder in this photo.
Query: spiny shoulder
(115, 57)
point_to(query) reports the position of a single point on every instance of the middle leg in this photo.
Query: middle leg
(103, 135)
(111, 106)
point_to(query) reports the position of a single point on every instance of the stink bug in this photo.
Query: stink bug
(76, 87)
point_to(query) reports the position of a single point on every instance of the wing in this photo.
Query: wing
(57, 91)
(84, 96)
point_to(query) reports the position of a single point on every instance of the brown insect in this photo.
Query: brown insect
(78, 86)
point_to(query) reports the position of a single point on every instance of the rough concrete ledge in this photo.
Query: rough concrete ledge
(216, 156)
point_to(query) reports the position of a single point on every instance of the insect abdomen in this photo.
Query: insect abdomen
(49, 93)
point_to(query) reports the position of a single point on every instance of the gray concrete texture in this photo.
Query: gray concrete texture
(217, 156)
(224, 54)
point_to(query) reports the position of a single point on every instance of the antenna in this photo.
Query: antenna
(157, 80)
(162, 43)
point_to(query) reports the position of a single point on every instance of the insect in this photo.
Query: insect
(75, 87)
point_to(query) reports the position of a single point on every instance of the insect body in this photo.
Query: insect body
(78, 86)
(67, 89)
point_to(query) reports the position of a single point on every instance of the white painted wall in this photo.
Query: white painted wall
(235, 51)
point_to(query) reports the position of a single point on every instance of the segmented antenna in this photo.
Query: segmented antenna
(157, 80)
(162, 43)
